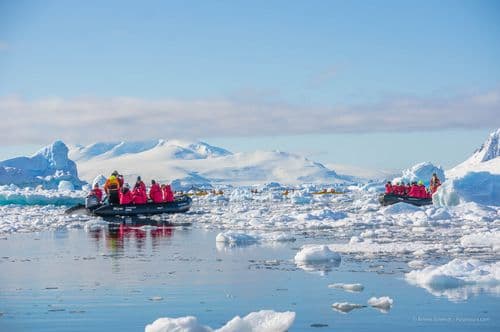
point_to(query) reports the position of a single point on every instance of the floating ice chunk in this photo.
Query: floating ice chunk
(301, 197)
(348, 287)
(317, 258)
(316, 254)
(345, 307)
(240, 194)
(482, 239)
(235, 238)
(480, 187)
(416, 264)
(383, 303)
(264, 320)
(399, 208)
(278, 237)
(458, 273)
(185, 324)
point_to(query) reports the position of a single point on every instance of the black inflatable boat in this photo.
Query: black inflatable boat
(180, 205)
(388, 199)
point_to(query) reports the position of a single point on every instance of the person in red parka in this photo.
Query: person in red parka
(388, 188)
(421, 192)
(155, 192)
(139, 194)
(414, 191)
(168, 195)
(97, 192)
(126, 196)
(140, 184)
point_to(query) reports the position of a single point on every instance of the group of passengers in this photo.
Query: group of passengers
(119, 192)
(415, 189)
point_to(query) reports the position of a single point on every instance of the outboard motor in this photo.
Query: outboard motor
(91, 201)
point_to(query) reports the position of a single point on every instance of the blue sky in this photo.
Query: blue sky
(364, 72)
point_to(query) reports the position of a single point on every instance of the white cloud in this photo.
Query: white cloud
(92, 119)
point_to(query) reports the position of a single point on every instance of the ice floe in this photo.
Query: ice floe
(348, 287)
(262, 321)
(345, 307)
(383, 303)
(458, 279)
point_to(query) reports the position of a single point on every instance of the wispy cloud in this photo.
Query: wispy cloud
(92, 119)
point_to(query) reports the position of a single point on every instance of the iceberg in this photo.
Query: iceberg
(481, 187)
(422, 171)
(48, 167)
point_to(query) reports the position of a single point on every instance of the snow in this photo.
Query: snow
(47, 167)
(478, 187)
(457, 278)
(348, 287)
(197, 164)
(262, 321)
(345, 307)
(65, 186)
(383, 303)
(399, 208)
(422, 171)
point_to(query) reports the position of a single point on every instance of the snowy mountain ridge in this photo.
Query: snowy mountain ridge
(174, 148)
(197, 163)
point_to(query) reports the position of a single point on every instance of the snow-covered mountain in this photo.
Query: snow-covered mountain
(172, 149)
(47, 167)
(486, 158)
(196, 163)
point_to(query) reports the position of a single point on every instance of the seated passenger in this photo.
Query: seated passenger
(388, 188)
(126, 196)
(97, 192)
(155, 192)
(421, 192)
(139, 195)
(140, 184)
(414, 190)
(398, 189)
(168, 195)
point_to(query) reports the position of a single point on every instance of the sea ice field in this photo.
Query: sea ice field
(251, 261)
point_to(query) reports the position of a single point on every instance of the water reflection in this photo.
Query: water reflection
(119, 238)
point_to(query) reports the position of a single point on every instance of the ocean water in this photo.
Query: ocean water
(78, 280)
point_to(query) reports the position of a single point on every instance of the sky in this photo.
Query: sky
(379, 84)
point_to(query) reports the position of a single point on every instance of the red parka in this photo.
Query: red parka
(126, 196)
(168, 195)
(97, 192)
(140, 196)
(155, 193)
(388, 188)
